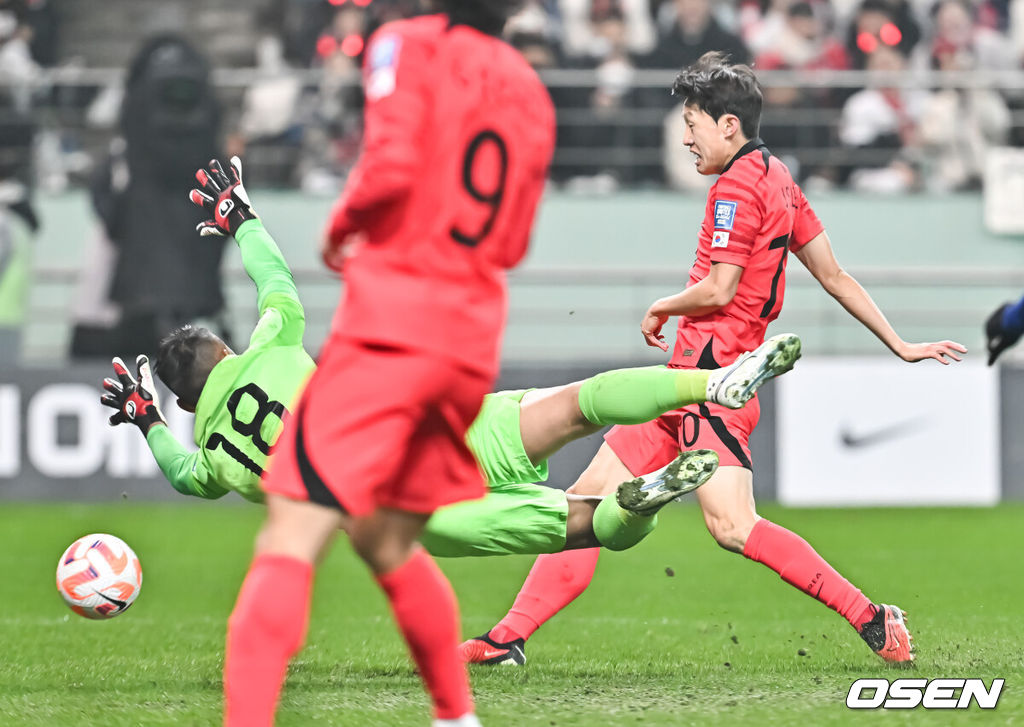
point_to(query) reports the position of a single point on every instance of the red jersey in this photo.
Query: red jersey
(755, 215)
(459, 132)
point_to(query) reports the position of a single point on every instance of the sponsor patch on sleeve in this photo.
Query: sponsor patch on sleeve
(720, 239)
(725, 214)
(381, 66)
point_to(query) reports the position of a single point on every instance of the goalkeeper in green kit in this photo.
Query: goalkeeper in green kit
(240, 401)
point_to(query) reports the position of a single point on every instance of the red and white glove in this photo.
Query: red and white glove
(225, 198)
(136, 401)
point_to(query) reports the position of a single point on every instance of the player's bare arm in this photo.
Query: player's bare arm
(818, 257)
(707, 296)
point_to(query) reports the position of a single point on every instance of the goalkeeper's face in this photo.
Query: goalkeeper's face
(185, 359)
(213, 351)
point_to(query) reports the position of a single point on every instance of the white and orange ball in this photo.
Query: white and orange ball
(99, 576)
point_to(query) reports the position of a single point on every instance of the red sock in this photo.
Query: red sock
(555, 581)
(265, 629)
(799, 565)
(428, 615)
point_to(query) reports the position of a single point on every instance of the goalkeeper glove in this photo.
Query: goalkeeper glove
(136, 401)
(224, 198)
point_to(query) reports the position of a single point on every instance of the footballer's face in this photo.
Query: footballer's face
(712, 143)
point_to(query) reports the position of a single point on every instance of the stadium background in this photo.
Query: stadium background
(617, 229)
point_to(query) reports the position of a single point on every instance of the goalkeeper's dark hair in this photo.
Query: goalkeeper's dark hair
(184, 360)
(717, 87)
(487, 16)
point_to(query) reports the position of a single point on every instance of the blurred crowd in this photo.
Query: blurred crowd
(132, 139)
(613, 129)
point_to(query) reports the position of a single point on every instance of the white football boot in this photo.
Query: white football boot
(734, 385)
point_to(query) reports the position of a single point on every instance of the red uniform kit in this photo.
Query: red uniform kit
(459, 132)
(755, 215)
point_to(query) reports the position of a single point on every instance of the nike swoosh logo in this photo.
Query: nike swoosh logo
(492, 653)
(876, 436)
(120, 604)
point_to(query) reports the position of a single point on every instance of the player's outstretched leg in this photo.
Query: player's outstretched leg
(882, 627)
(888, 636)
(648, 494)
(1004, 328)
(734, 385)
(555, 581)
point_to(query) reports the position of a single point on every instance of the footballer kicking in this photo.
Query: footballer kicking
(240, 401)
(755, 215)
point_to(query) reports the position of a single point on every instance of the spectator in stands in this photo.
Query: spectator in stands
(43, 21)
(164, 275)
(803, 43)
(19, 76)
(332, 117)
(956, 27)
(580, 38)
(18, 225)
(881, 23)
(792, 122)
(694, 32)
(763, 23)
(599, 119)
(958, 126)
(880, 123)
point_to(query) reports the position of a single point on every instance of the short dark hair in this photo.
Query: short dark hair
(487, 16)
(716, 87)
(184, 360)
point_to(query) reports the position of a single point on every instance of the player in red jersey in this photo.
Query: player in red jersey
(755, 216)
(459, 132)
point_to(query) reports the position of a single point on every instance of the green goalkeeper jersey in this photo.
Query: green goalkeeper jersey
(239, 413)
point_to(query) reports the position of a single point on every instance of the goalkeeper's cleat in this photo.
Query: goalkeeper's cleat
(734, 385)
(997, 338)
(485, 650)
(648, 494)
(887, 635)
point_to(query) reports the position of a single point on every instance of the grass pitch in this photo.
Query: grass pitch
(675, 632)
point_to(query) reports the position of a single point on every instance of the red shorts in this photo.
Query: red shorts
(380, 427)
(646, 447)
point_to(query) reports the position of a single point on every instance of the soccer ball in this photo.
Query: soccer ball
(99, 576)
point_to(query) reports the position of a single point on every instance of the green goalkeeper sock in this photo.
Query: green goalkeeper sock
(618, 529)
(634, 396)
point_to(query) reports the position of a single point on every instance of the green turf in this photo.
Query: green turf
(722, 641)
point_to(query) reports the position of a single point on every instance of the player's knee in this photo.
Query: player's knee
(579, 531)
(730, 533)
(381, 554)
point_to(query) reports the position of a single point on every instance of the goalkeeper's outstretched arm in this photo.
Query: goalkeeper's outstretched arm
(185, 470)
(227, 200)
(135, 401)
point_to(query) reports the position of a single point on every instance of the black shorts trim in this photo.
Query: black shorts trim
(726, 436)
(315, 486)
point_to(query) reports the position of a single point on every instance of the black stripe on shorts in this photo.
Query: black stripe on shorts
(726, 436)
(315, 486)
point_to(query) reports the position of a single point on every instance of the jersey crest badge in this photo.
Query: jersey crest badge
(720, 239)
(725, 215)
(381, 67)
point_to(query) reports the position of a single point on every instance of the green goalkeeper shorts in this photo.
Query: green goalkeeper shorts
(495, 440)
(515, 517)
